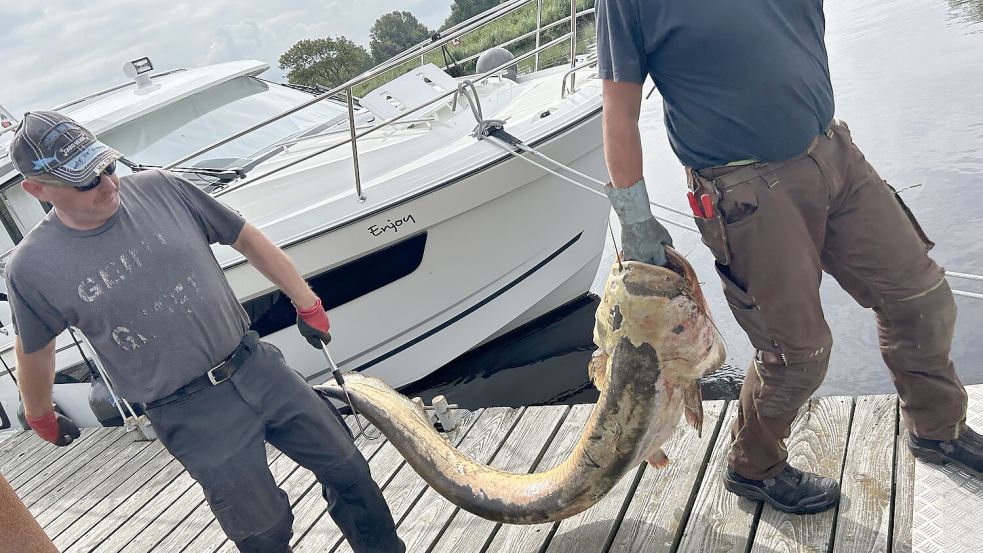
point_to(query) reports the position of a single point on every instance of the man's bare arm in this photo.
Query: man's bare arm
(270, 260)
(35, 378)
(622, 144)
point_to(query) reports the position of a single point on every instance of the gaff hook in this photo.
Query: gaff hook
(340, 379)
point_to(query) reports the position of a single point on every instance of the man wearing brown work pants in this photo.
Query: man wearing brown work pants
(780, 194)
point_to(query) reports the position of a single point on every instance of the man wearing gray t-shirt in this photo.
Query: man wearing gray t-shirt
(128, 261)
(780, 194)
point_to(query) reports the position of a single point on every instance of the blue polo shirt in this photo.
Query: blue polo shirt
(740, 79)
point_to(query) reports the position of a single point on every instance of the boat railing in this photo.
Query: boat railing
(438, 41)
(110, 89)
(535, 33)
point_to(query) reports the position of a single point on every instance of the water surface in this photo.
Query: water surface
(908, 78)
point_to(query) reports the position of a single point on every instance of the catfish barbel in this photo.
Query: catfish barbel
(655, 340)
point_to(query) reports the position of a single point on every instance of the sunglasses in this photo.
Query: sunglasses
(51, 180)
(109, 170)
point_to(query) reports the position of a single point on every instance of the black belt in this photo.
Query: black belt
(217, 374)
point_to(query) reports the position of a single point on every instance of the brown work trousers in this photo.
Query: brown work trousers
(776, 228)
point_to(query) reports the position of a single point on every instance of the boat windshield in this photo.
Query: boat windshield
(201, 119)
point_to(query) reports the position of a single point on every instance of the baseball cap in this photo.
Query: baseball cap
(49, 143)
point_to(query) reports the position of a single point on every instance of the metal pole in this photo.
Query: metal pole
(539, 23)
(351, 127)
(573, 43)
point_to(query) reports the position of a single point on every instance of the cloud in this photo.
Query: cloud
(58, 50)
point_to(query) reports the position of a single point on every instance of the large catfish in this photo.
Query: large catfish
(655, 339)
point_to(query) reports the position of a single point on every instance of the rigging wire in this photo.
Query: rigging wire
(493, 128)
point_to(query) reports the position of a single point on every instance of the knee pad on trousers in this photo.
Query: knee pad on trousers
(923, 325)
(785, 388)
(275, 539)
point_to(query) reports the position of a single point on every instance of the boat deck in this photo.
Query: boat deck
(107, 492)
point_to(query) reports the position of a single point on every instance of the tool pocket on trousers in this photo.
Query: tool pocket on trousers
(911, 218)
(747, 312)
(714, 235)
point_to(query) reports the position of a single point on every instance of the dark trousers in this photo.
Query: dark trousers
(218, 434)
(778, 227)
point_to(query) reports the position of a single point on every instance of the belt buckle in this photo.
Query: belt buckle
(218, 369)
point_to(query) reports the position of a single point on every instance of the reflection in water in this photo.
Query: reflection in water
(971, 9)
(542, 363)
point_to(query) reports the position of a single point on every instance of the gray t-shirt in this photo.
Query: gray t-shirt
(739, 79)
(144, 287)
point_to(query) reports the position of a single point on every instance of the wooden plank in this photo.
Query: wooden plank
(719, 520)
(159, 516)
(93, 483)
(516, 538)
(39, 455)
(590, 530)
(315, 527)
(76, 492)
(72, 483)
(298, 485)
(34, 488)
(419, 511)
(593, 529)
(34, 454)
(78, 507)
(201, 516)
(9, 442)
(150, 476)
(133, 514)
(904, 492)
(657, 510)
(819, 436)
(864, 517)
(526, 443)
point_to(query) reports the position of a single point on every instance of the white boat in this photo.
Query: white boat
(435, 243)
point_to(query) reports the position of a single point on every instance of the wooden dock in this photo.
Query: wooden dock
(108, 493)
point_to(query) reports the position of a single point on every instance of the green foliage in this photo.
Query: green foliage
(394, 32)
(523, 21)
(509, 27)
(327, 62)
(462, 10)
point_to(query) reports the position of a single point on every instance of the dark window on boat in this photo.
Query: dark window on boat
(272, 312)
(6, 219)
(4, 419)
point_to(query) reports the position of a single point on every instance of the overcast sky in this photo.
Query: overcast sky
(57, 50)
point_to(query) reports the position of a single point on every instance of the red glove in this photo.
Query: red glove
(313, 324)
(55, 428)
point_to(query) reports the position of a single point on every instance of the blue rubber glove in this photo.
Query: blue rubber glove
(642, 237)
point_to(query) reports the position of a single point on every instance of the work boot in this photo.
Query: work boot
(966, 451)
(792, 491)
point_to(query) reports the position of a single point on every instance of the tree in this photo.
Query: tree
(394, 32)
(327, 62)
(462, 10)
